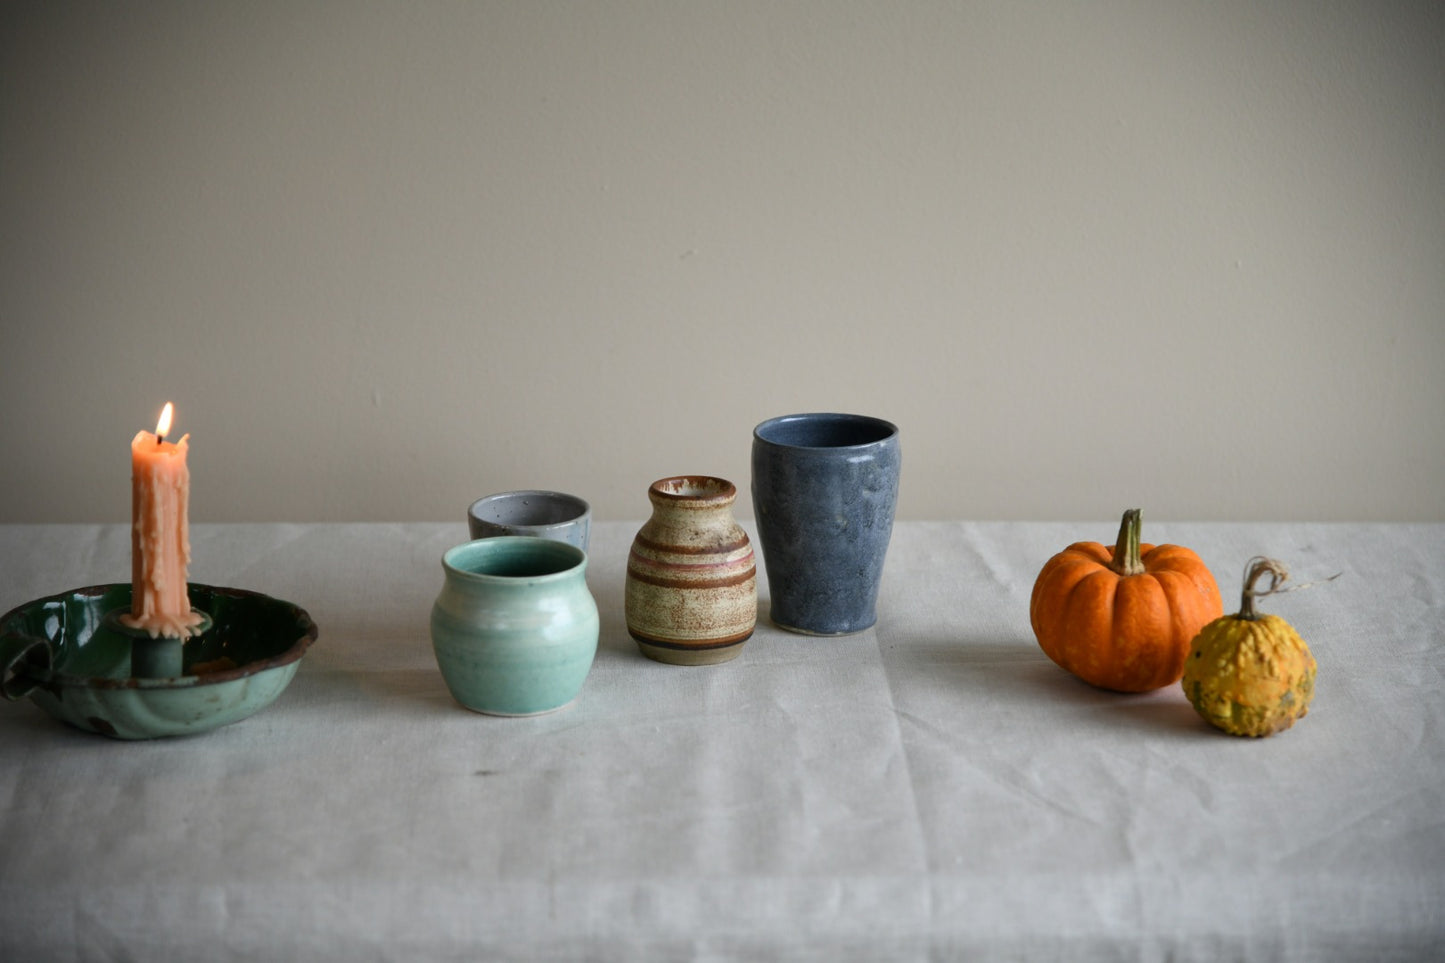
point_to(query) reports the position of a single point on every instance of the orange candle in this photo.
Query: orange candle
(160, 545)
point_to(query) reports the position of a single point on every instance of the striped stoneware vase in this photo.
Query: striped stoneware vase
(692, 585)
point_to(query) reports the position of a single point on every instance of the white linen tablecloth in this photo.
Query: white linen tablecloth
(932, 788)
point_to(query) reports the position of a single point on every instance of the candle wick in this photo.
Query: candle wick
(160, 438)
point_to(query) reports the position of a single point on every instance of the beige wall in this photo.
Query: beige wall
(389, 257)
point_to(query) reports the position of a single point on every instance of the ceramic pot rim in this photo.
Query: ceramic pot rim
(563, 560)
(577, 507)
(699, 491)
(885, 431)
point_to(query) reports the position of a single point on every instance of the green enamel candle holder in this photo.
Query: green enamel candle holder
(72, 657)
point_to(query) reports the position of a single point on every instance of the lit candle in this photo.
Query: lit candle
(160, 547)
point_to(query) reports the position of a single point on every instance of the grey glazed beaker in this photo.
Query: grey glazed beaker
(539, 514)
(825, 488)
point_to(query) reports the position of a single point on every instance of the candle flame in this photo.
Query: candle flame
(163, 427)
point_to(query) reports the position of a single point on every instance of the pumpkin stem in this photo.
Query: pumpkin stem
(1257, 567)
(1126, 546)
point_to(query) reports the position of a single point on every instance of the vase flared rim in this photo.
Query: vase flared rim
(693, 490)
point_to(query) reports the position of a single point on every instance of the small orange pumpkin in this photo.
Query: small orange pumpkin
(1123, 618)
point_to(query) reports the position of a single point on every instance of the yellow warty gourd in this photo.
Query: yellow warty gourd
(1251, 674)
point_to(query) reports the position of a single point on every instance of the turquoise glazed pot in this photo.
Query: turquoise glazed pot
(69, 654)
(514, 628)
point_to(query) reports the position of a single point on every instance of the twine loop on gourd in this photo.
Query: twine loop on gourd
(1278, 574)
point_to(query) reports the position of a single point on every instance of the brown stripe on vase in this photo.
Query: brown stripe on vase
(691, 653)
(661, 581)
(658, 548)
